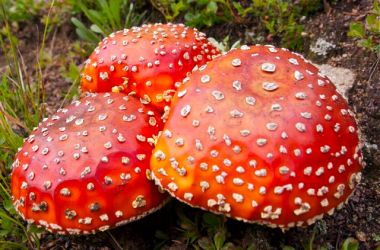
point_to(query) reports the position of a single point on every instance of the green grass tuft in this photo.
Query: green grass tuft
(105, 17)
(21, 108)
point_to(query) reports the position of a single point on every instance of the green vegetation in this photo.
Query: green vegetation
(368, 33)
(201, 230)
(350, 244)
(21, 108)
(203, 13)
(217, 233)
(225, 45)
(23, 10)
(281, 18)
(105, 16)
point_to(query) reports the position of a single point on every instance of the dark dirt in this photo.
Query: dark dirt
(53, 61)
(360, 218)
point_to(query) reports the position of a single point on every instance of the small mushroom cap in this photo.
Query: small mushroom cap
(85, 168)
(150, 61)
(260, 135)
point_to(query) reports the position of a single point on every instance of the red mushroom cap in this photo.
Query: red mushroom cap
(259, 135)
(85, 168)
(150, 60)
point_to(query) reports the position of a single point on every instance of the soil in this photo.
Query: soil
(359, 218)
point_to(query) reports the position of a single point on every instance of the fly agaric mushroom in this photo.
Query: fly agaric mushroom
(260, 135)
(85, 168)
(150, 61)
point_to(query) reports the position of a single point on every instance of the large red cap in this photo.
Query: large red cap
(85, 168)
(259, 135)
(150, 60)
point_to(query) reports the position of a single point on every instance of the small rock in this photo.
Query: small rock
(342, 78)
(321, 47)
(361, 236)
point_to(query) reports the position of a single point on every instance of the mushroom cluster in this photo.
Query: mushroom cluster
(86, 168)
(257, 134)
